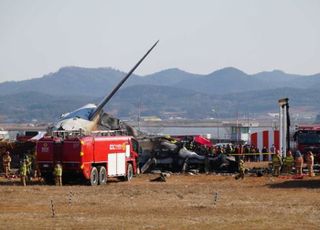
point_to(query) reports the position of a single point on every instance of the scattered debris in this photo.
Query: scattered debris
(185, 154)
(161, 178)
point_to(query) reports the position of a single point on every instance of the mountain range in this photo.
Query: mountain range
(227, 92)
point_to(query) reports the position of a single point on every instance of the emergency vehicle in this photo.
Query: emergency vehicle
(307, 138)
(94, 157)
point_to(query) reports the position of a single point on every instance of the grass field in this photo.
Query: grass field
(183, 202)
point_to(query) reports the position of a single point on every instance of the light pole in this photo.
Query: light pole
(284, 122)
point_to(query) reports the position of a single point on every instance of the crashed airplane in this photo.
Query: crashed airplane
(91, 117)
(184, 154)
(164, 153)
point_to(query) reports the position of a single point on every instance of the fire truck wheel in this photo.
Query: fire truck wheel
(94, 176)
(102, 175)
(129, 172)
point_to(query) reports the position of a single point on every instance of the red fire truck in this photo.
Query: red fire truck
(94, 157)
(307, 138)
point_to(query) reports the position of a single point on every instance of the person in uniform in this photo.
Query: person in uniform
(288, 162)
(276, 163)
(58, 174)
(6, 159)
(23, 173)
(298, 162)
(264, 152)
(28, 161)
(272, 151)
(310, 163)
(241, 170)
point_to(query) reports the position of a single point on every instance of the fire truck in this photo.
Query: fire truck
(307, 138)
(93, 158)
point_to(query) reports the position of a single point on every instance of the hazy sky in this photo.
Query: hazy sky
(38, 36)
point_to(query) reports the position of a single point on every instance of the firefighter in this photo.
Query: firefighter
(288, 162)
(171, 139)
(58, 174)
(310, 162)
(298, 162)
(272, 151)
(6, 159)
(241, 170)
(23, 173)
(37, 172)
(276, 163)
(28, 162)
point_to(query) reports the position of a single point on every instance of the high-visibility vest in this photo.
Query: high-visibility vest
(23, 169)
(58, 171)
(276, 160)
(241, 166)
(288, 160)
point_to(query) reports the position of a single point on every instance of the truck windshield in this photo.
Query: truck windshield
(135, 145)
(311, 137)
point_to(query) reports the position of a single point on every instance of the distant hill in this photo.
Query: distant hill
(99, 81)
(169, 77)
(169, 93)
(224, 81)
(280, 79)
(158, 100)
(162, 101)
(68, 81)
(25, 106)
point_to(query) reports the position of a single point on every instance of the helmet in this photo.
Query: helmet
(298, 154)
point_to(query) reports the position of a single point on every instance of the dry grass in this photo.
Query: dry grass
(183, 202)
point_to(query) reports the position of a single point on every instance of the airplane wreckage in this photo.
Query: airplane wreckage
(156, 152)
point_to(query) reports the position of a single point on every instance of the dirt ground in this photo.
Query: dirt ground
(183, 202)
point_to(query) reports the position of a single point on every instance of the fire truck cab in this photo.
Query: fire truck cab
(94, 158)
(307, 138)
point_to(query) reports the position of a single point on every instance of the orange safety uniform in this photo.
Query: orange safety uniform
(6, 159)
(298, 163)
(310, 163)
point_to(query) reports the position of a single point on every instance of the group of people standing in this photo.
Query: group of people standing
(287, 163)
(26, 170)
